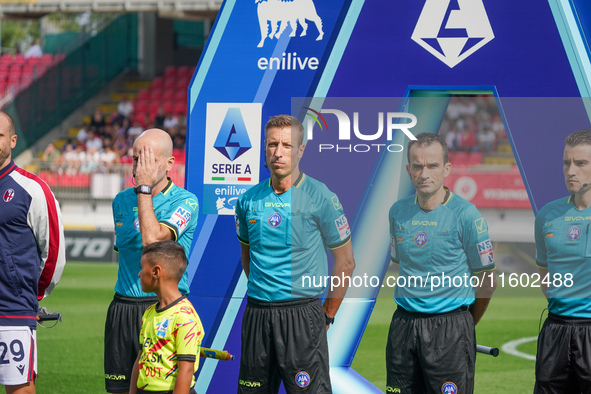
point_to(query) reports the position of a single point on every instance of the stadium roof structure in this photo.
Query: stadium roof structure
(188, 9)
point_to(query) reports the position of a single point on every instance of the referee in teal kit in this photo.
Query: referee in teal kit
(563, 255)
(285, 225)
(431, 345)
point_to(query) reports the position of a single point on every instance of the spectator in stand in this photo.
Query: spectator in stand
(135, 130)
(451, 138)
(125, 107)
(90, 162)
(180, 138)
(94, 141)
(487, 139)
(98, 120)
(128, 157)
(51, 158)
(107, 157)
(146, 122)
(34, 50)
(74, 157)
(160, 116)
(170, 121)
(468, 142)
(82, 135)
(120, 145)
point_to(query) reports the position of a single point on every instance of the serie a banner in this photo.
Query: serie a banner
(363, 77)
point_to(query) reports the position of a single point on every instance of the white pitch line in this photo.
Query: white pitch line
(511, 348)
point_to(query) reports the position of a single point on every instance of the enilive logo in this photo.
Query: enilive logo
(452, 30)
(281, 13)
(392, 120)
(278, 14)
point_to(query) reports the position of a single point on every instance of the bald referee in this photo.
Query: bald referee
(155, 210)
(285, 225)
(563, 255)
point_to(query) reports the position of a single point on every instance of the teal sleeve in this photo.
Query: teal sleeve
(333, 222)
(476, 241)
(241, 225)
(541, 254)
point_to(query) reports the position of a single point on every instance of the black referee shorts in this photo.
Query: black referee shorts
(122, 339)
(284, 341)
(563, 360)
(431, 353)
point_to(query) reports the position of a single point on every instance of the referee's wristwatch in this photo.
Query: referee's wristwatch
(143, 189)
(329, 320)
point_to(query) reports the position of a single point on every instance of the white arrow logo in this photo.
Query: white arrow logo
(452, 30)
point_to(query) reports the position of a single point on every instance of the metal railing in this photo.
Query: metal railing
(90, 181)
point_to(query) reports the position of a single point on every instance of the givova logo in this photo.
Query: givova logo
(452, 30)
(280, 13)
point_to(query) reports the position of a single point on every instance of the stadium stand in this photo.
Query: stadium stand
(75, 171)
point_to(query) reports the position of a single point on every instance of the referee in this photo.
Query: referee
(285, 224)
(431, 345)
(563, 252)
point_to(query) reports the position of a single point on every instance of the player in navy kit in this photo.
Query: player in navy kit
(32, 259)
(285, 224)
(563, 255)
(435, 233)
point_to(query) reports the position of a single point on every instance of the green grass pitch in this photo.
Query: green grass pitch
(71, 354)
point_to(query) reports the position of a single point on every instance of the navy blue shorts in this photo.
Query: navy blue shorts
(563, 360)
(431, 353)
(122, 339)
(284, 341)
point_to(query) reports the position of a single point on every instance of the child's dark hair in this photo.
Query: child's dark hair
(170, 254)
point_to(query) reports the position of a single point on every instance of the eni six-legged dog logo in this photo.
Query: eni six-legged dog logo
(279, 14)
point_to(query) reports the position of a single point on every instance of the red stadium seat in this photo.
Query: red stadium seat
(153, 106)
(183, 72)
(170, 71)
(183, 83)
(33, 60)
(141, 106)
(47, 58)
(143, 94)
(157, 83)
(16, 68)
(169, 83)
(168, 107)
(181, 95)
(460, 158)
(180, 108)
(7, 58)
(179, 156)
(475, 158)
(20, 59)
(168, 95)
(156, 94)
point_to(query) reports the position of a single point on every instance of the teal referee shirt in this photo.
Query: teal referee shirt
(563, 246)
(451, 241)
(174, 208)
(288, 235)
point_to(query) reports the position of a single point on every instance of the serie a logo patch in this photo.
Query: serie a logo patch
(302, 379)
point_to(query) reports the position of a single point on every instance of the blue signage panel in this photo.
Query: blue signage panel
(267, 57)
